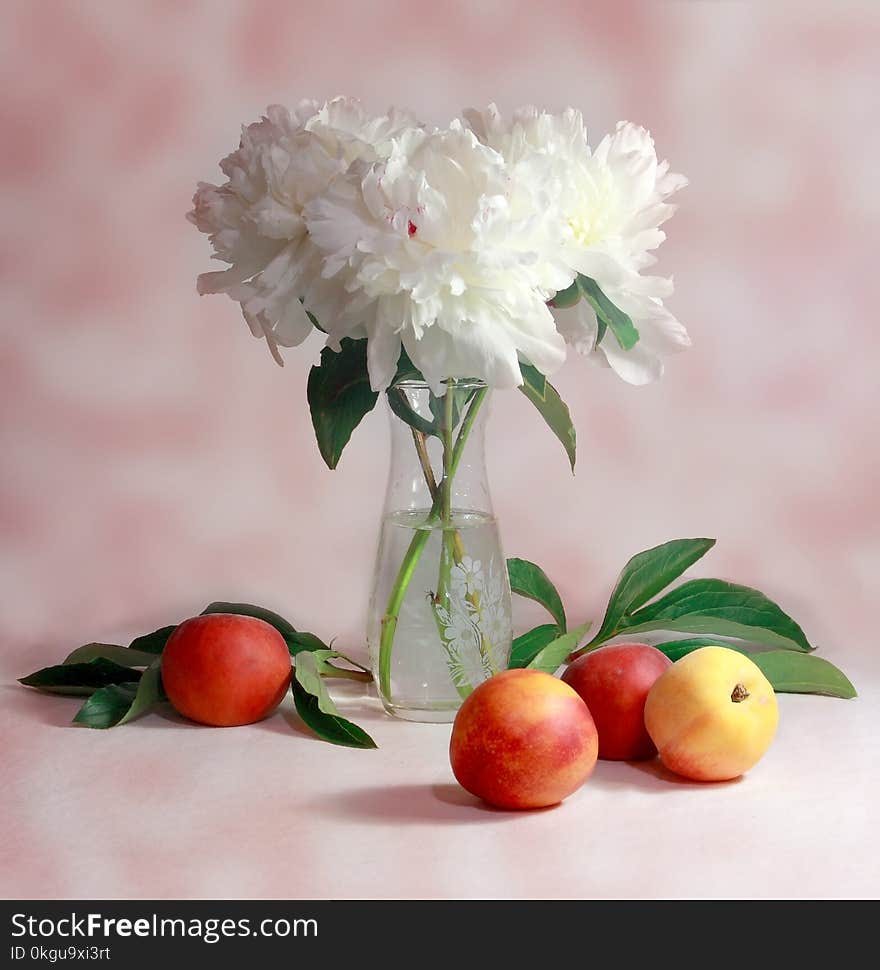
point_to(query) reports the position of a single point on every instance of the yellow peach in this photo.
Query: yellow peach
(712, 714)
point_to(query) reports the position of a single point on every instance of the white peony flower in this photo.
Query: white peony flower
(255, 219)
(440, 251)
(607, 206)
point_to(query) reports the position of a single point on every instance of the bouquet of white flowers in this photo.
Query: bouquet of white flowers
(473, 247)
(465, 258)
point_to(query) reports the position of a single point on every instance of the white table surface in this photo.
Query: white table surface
(164, 809)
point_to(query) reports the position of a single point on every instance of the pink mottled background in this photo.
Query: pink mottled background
(153, 457)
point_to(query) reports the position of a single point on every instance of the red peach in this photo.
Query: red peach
(614, 683)
(223, 669)
(523, 739)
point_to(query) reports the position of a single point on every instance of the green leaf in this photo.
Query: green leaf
(297, 640)
(676, 649)
(607, 313)
(789, 671)
(712, 606)
(301, 641)
(803, 673)
(80, 678)
(399, 404)
(110, 651)
(153, 643)
(339, 396)
(568, 297)
(121, 703)
(526, 647)
(460, 396)
(316, 708)
(438, 410)
(284, 627)
(406, 370)
(107, 706)
(314, 320)
(529, 580)
(327, 669)
(149, 693)
(551, 658)
(551, 407)
(644, 576)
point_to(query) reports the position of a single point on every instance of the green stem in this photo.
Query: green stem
(395, 600)
(446, 554)
(457, 546)
(421, 444)
(330, 670)
(466, 427)
(417, 546)
(354, 663)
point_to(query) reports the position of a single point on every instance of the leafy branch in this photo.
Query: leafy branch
(715, 611)
(340, 396)
(123, 683)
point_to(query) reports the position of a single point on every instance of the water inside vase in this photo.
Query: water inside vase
(442, 649)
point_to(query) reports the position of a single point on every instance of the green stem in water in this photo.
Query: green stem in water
(453, 544)
(417, 546)
(421, 445)
(395, 600)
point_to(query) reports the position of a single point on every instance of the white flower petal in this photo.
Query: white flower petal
(383, 346)
(608, 205)
(293, 325)
(659, 334)
(474, 350)
(449, 241)
(439, 233)
(538, 340)
(636, 366)
(255, 219)
(578, 326)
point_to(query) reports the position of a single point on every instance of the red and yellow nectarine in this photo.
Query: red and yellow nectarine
(523, 739)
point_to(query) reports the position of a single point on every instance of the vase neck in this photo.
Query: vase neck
(433, 437)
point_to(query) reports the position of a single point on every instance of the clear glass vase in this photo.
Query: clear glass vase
(440, 617)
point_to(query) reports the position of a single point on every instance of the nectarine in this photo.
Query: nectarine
(523, 739)
(712, 714)
(223, 669)
(614, 683)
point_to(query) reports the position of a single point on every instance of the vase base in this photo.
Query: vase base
(436, 714)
